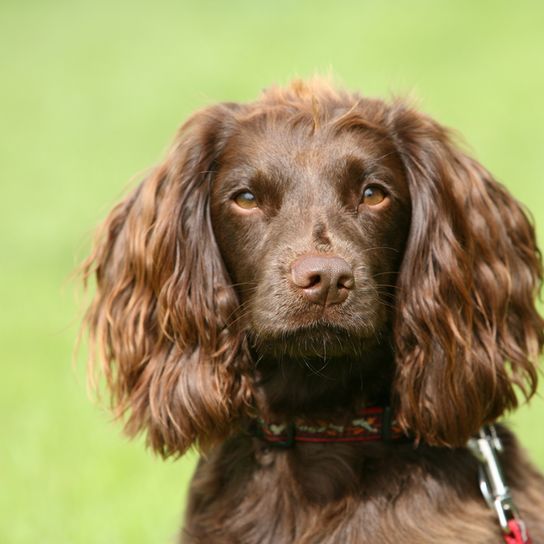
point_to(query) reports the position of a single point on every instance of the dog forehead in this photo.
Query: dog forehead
(281, 149)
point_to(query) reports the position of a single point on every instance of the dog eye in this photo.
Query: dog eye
(372, 195)
(246, 200)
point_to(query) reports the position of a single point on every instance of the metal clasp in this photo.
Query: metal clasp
(486, 448)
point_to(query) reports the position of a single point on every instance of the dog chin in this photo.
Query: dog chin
(321, 341)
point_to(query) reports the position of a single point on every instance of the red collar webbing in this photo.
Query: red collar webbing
(369, 425)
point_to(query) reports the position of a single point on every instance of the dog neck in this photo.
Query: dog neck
(332, 388)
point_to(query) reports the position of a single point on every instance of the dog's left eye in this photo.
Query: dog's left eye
(245, 200)
(373, 195)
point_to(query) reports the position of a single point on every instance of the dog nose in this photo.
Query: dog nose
(322, 279)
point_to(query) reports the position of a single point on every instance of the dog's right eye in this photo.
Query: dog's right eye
(245, 200)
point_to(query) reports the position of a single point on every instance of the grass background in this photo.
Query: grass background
(92, 92)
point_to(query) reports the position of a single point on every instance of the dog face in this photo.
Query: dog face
(314, 221)
(311, 225)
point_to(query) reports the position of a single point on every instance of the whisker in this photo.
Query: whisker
(243, 283)
(381, 247)
(394, 272)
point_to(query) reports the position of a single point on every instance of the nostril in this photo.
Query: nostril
(346, 281)
(306, 273)
(313, 280)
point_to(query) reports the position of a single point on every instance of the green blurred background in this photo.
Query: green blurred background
(92, 92)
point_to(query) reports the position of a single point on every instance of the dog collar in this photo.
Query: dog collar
(373, 424)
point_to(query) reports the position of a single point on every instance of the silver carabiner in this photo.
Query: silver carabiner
(496, 493)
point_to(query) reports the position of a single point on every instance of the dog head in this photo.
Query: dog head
(314, 222)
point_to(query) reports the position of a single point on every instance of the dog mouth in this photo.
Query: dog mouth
(284, 326)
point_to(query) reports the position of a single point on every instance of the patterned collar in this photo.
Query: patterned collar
(373, 424)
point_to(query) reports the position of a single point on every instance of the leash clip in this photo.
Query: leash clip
(486, 448)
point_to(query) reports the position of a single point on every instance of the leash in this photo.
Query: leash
(486, 447)
(376, 424)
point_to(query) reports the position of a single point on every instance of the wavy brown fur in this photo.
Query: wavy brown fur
(199, 327)
(470, 274)
(162, 299)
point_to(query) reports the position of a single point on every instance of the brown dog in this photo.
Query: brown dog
(294, 267)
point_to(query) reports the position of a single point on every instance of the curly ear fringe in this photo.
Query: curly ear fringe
(157, 324)
(467, 331)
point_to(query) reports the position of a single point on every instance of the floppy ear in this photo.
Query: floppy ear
(158, 321)
(466, 330)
